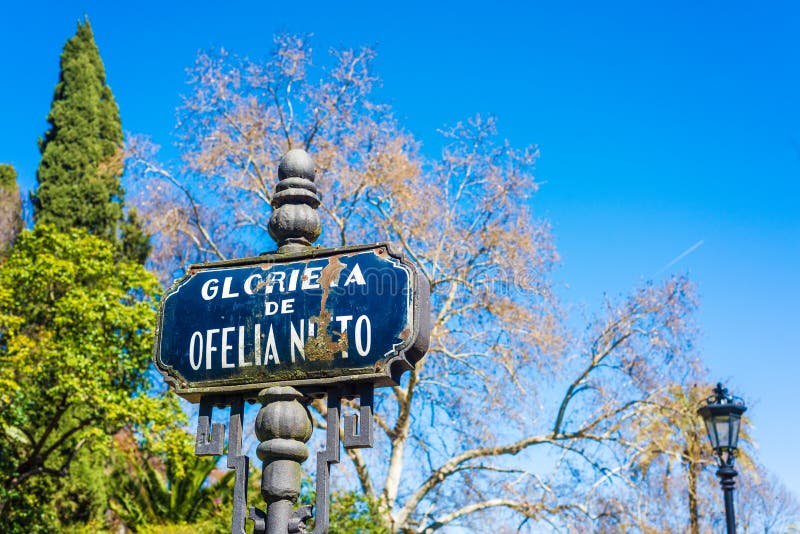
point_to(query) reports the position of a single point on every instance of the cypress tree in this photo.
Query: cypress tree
(10, 209)
(82, 153)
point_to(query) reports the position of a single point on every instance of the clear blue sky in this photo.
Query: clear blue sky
(663, 129)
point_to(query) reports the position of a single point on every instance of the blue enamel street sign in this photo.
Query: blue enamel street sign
(311, 320)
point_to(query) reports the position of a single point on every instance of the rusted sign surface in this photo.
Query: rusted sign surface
(354, 313)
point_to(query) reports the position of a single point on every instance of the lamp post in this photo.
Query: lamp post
(722, 414)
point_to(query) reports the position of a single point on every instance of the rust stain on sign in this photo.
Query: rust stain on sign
(322, 346)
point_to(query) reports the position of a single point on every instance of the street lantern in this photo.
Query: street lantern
(722, 414)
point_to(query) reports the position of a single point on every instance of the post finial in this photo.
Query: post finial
(294, 223)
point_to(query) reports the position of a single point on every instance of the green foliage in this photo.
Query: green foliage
(135, 244)
(79, 173)
(28, 511)
(8, 177)
(351, 512)
(185, 490)
(10, 209)
(76, 315)
(82, 496)
(75, 344)
(354, 513)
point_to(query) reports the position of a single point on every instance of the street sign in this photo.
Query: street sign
(281, 328)
(310, 320)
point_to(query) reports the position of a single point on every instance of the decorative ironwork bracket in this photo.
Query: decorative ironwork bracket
(210, 438)
(357, 434)
(210, 442)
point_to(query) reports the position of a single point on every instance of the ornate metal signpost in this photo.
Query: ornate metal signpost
(282, 328)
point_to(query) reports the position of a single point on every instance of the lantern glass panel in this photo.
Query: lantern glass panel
(712, 434)
(735, 422)
(722, 425)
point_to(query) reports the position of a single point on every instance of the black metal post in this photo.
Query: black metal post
(727, 475)
(283, 425)
(722, 414)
